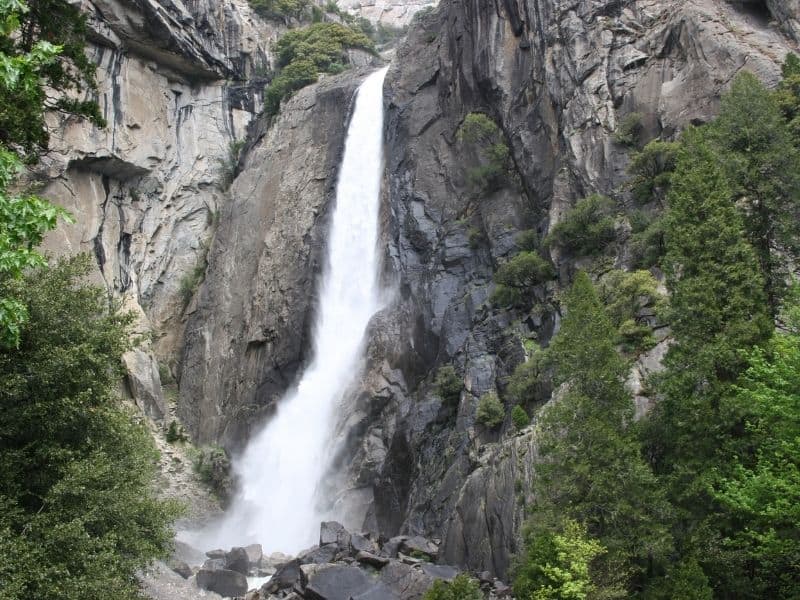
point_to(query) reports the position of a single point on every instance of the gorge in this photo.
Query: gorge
(342, 305)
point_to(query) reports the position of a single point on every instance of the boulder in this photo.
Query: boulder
(319, 554)
(392, 547)
(254, 554)
(372, 559)
(180, 567)
(406, 581)
(237, 560)
(338, 583)
(284, 578)
(331, 532)
(379, 592)
(362, 543)
(218, 553)
(214, 564)
(418, 545)
(222, 581)
(445, 572)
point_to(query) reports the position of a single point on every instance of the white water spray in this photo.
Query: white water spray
(280, 470)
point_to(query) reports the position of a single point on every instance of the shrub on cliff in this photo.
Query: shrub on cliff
(516, 279)
(448, 385)
(587, 229)
(491, 412)
(483, 137)
(305, 53)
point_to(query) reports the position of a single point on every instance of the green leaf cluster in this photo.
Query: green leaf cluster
(516, 278)
(486, 141)
(462, 587)
(588, 228)
(78, 514)
(448, 385)
(302, 54)
(491, 412)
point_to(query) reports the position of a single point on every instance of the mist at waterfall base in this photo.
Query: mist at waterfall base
(279, 471)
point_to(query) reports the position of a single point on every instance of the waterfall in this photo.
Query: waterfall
(283, 464)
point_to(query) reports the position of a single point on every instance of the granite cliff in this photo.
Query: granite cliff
(162, 192)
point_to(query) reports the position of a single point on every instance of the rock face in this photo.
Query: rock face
(178, 82)
(558, 78)
(396, 13)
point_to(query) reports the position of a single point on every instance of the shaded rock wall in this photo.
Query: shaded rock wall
(558, 77)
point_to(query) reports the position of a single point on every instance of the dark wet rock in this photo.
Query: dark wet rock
(213, 564)
(238, 560)
(392, 547)
(285, 577)
(222, 581)
(218, 553)
(405, 581)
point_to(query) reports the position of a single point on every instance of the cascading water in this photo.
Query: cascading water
(283, 464)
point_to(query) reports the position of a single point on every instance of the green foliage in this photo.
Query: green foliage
(175, 433)
(630, 130)
(528, 240)
(281, 9)
(761, 495)
(519, 417)
(685, 580)
(516, 278)
(212, 466)
(525, 384)
(230, 163)
(650, 170)
(24, 220)
(448, 385)
(485, 139)
(588, 228)
(78, 515)
(556, 564)
(626, 295)
(305, 53)
(43, 67)
(463, 587)
(491, 412)
(592, 470)
(191, 281)
(762, 166)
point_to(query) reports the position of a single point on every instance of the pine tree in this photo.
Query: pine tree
(592, 469)
(763, 166)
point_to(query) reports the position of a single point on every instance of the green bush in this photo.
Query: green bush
(519, 417)
(463, 587)
(588, 228)
(525, 384)
(625, 294)
(485, 138)
(528, 240)
(280, 9)
(192, 280)
(448, 385)
(516, 278)
(491, 412)
(305, 53)
(629, 132)
(212, 466)
(175, 433)
(651, 169)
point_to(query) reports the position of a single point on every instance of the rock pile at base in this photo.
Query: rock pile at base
(344, 566)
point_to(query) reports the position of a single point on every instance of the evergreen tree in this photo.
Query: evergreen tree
(762, 165)
(592, 470)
